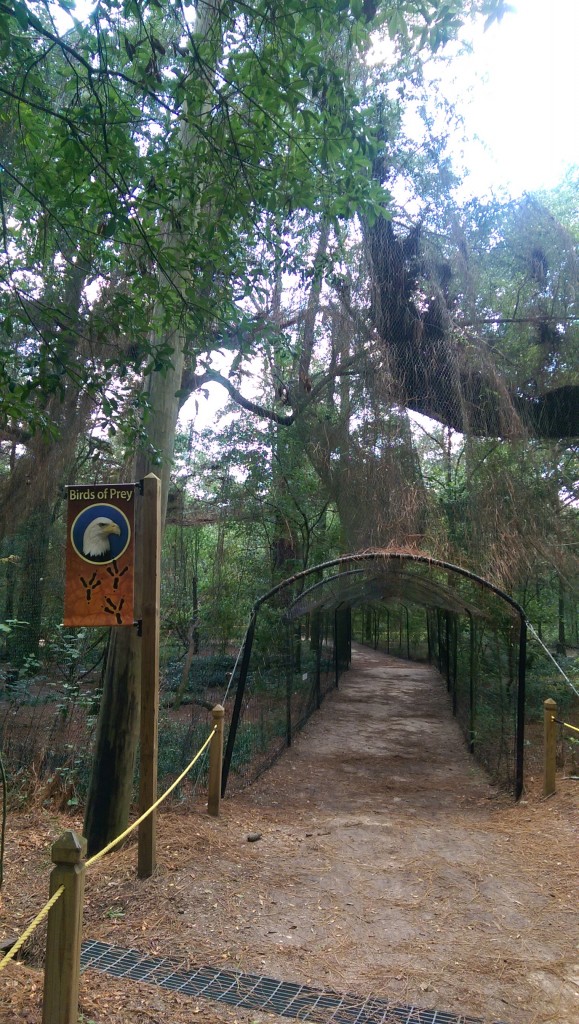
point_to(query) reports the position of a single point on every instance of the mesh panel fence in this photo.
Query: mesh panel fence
(284, 677)
(477, 654)
(300, 642)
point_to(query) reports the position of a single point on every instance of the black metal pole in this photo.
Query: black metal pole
(289, 678)
(336, 652)
(471, 690)
(387, 631)
(318, 663)
(247, 645)
(454, 661)
(447, 648)
(520, 737)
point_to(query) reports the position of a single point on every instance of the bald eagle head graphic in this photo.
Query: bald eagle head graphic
(95, 542)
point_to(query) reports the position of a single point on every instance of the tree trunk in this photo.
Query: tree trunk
(23, 643)
(110, 789)
(432, 371)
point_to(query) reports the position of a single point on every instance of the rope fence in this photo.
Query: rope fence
(546, 650)
(135, 824)
(566, 724)
(62, 966)
(31, 928)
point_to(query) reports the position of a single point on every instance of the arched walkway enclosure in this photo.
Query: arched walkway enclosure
(299, 642)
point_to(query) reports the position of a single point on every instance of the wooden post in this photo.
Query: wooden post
(215, 762)
(550, 733)
(62, 967)
(150, 617)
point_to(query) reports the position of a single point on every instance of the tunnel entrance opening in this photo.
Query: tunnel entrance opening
(299, 642)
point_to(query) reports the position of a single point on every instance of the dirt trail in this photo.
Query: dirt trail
(387, 865)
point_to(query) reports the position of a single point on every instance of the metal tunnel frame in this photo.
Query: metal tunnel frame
(381, 556)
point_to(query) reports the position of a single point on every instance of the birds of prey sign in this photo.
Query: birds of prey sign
(100, 555)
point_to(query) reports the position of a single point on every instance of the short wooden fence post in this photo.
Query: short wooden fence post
(215, 762)
(62, 968)
(550, 747)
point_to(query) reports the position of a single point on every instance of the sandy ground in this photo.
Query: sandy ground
(387, 865)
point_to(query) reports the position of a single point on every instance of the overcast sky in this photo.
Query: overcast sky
(519, 92)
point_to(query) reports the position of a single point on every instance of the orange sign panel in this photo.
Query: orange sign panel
(100, 555)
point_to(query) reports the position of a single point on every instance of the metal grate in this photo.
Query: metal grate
(254, 992)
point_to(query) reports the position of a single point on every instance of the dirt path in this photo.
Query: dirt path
(387, 865)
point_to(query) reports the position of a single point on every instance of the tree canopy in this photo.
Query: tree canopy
(152, 157)
(181, 181)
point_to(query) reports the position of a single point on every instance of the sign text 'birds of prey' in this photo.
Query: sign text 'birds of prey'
(100, 555)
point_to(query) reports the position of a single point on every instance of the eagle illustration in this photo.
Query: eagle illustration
(95, 542)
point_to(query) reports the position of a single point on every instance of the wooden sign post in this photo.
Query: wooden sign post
(100, 591)
(150, 627)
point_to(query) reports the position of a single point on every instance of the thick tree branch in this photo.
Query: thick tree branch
(193, 382)
(313, 304)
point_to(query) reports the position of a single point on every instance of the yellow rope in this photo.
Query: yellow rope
(97, 856)
(39, 917)
(92, 860)
(566, 724)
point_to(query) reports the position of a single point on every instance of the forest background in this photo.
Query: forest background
(184, 182)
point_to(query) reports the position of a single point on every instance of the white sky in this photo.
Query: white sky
(519, 93)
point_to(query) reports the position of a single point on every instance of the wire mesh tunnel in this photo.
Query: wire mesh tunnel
(299, 642)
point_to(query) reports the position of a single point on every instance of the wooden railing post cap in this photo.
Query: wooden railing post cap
(218, 711)
(151, 476)
(70, 848)
(550, 703)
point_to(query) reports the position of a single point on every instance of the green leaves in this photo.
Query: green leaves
(498, 9)
(12, 17)
(153, 160)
